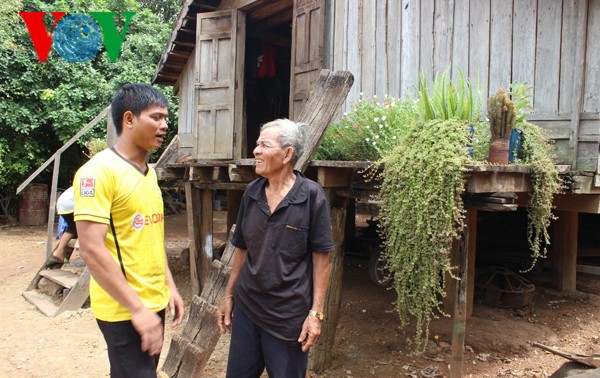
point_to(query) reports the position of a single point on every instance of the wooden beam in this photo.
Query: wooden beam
(186, 44)
(583, 203)
(194, 220)
(460, 307)
(205, 257)
(259, 13)
(234, 199)
(328, 94)
(275, 20)
(564, 250)
(52, 207)
(322, 354)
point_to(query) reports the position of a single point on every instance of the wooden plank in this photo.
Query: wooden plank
(564, 250)
(52, 206)
(394, 47)
(78, 294)
(579, 82)
(190, 350)
(460, 38)
(340, 17)
(367, 44)
(194, 220)
(584, 203)
(568, 63)
(479, 44)
(443, 31)
(334, 177)
(327, 96)
(589, 269)
(547, 57)
(322, 353)
(353, 50)
(489, 182)
(500, 46)
(523, 41)
(64, 278)
(459, 318)
(205, 236)
(591, 98)
(381, 48)
(426, 43)
(410, 46)
(42, 302)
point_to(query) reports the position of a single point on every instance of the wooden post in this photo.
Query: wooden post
(111, 131)
(234, 199)
(564, 250)
(451, 284)
(321, 354)
(204, 259)
(460, 306)
(52, 206)
(194, 219)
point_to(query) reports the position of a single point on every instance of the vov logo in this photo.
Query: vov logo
(76, 37)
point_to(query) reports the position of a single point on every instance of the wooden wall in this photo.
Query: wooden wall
(385, 43)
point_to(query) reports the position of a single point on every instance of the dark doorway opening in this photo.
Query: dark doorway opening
(266, 77)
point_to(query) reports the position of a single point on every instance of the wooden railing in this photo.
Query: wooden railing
(111, 138)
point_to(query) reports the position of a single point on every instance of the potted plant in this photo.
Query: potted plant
(502, 116)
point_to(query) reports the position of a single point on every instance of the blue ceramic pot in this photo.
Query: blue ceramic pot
(515, 146)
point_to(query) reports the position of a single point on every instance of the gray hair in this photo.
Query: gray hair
(290, 134)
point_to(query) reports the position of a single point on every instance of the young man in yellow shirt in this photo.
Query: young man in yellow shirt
(120, 223)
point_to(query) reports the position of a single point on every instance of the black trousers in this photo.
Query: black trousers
(125, 350)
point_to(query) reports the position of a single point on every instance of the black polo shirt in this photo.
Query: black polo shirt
(275, 285)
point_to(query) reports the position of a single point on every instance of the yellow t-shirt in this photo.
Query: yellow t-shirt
(108, 185)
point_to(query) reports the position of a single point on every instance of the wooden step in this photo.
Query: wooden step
(64, 278)
(43, 302)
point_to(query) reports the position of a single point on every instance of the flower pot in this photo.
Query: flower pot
(499, 149)
(516, 145)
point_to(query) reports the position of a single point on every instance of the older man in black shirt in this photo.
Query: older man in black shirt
(276, 291)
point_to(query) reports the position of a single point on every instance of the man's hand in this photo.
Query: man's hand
(224, 314)
(311, 330)
(176, 308)
(149, 325)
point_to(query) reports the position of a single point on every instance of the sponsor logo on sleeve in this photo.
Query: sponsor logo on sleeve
(87, 187)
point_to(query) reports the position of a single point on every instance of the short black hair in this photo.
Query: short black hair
(134, 98)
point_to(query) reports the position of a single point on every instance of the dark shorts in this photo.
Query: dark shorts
(251, 350)
(71, 229)
(125, 350)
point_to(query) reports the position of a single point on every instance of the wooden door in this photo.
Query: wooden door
(219, 83)
(308, 55)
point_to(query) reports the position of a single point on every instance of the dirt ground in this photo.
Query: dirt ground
(369, 340)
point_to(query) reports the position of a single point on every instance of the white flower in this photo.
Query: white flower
(394, 137)
(345, 114)
(383, 118)
(377, 136)
(368, 127)
(376, 119)
(367, 139)
(385, 95)
(393, 104)
(380, 126)
(361, 94)
(374, 143)
(374, 96)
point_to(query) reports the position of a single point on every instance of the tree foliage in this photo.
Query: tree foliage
(45, 103)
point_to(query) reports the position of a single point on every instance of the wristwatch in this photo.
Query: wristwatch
(316, 314)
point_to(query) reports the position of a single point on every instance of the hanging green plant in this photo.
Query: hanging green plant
(545, 183)
(421, 213)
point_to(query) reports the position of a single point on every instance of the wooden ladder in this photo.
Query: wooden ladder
(73, 295)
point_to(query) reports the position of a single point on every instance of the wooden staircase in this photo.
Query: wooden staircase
(62, 291)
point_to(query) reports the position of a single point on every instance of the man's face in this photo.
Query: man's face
(150, 128)
(270, 156)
